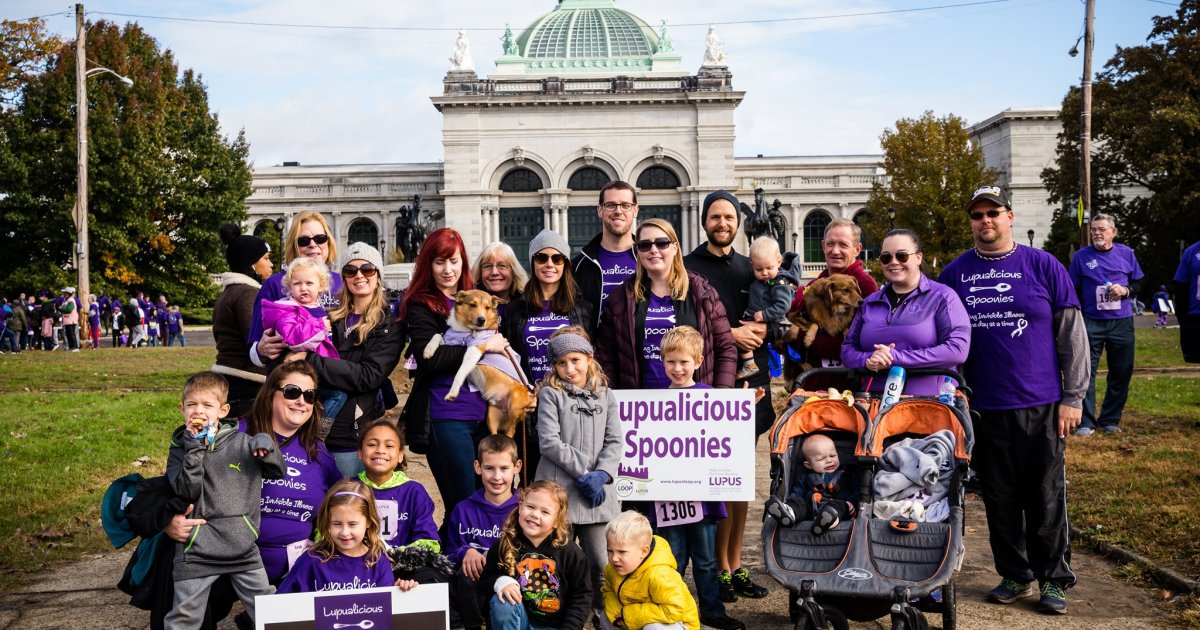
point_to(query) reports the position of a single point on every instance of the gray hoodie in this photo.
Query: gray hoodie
(224, 482)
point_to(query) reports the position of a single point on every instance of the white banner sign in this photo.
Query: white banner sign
(686, 445)
(423, 608)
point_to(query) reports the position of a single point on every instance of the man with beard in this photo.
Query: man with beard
(1027, 362)
(731, 275)
(1106, 274)
(607, 260)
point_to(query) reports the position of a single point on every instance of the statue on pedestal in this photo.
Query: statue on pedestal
(765, 221)
(461, 60)
(714, 53)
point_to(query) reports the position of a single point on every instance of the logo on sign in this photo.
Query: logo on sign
(624, 487)
(855, 574)
(725, 481)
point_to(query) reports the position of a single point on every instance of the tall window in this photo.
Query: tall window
(814, 232)
(521, 180)
(363, 231)
(658, 178)
(870, 248)
(588, 178)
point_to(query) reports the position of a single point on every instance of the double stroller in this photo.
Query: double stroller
(866, 567)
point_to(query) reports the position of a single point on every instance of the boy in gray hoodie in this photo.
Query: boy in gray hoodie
(221, 475)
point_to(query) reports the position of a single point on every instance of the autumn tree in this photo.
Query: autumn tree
(933, 167)
(25, 49)
(1145, 150)
(162, 177)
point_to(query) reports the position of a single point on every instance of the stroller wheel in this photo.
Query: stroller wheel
(949, 606)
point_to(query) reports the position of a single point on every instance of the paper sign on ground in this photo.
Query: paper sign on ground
(423, 608)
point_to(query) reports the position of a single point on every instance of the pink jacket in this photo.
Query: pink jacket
(301, 329)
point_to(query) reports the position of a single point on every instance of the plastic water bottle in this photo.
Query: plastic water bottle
(946, 390)
(894, 385)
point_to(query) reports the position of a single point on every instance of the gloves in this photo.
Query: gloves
(591, 486)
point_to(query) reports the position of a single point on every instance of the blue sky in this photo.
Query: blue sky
(814, 86)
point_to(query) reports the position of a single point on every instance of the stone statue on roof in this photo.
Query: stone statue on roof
(664, 40)
(461, 60)
(714, 53)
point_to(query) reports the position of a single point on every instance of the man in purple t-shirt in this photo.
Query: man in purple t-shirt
(607, 260)
(1023, 312)
(1105, 275)
(1187, 302)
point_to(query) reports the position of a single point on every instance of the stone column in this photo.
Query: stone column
(335, 227)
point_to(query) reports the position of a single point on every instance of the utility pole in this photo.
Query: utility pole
(81, 192)
(1085, 126)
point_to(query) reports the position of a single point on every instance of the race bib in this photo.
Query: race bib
(295, 549)
(389, 516)
(672, 513)
(1104, 302)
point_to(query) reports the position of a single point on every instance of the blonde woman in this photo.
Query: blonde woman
(498, 272)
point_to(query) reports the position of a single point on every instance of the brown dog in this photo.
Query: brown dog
(829, 305)
(497, 376)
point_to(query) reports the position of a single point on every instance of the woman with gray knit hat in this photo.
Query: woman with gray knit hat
(551, 301)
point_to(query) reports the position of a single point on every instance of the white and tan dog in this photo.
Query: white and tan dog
(498, 377)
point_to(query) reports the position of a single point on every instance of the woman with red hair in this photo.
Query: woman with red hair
(448, 430)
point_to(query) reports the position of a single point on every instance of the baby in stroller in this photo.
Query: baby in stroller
(825, 493)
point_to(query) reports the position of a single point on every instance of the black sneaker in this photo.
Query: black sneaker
(1010, 591)
(722, 622)
(1054, 600)
(725, 587)
(745, 587)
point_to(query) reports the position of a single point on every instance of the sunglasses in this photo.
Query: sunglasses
(540, 258)
(292, 392)
(900, 256)
(368, 270)
(991, 214)
(660, 243)
(319, 239)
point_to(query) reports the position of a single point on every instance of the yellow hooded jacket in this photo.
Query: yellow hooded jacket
(653, 593)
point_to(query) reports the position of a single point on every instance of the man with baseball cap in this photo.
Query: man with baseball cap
(1024, 312)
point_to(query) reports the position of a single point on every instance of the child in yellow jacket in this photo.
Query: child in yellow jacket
(642, 588)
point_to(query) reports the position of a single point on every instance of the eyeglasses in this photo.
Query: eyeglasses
(292, 392)
(540, 258)
(662, 244)
(500, 267)
(612, 206)
(319, 239)
(900, 256)
(368, 270)
(991, 214)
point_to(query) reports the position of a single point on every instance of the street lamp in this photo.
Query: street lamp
(81, 117)
(1030, 235)
(795, 238)
(891, 218)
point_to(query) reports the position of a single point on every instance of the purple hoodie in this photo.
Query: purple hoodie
(930, 328)
(272, 290)
(405, 512)
(476, 524)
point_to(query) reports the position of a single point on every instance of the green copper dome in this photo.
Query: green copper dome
(587, 36)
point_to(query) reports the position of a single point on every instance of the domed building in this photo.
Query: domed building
(588, 93)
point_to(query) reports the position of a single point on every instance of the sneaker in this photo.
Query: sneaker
(725, 587)
(1010, 591)
(745, 586)
(748, 370)
(1084, 432)
(1054, 599)
(1111, 428)
(722, 622)
(781, 512)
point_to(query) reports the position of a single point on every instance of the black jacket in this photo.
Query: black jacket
(361, 372)
(422, 324)
(586, 267)
(732, 277)
(517, 314)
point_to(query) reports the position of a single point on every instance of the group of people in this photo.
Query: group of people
(300, 385)
(46, 321)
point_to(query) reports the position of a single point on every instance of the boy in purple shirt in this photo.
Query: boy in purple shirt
(475, 525)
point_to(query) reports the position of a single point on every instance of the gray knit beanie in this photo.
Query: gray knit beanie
(561, 345)
(362, 251)
(549, 238)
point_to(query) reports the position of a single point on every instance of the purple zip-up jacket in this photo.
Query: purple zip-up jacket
(930, 328)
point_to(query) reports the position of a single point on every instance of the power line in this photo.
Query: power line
(38, 17)
(444, 29)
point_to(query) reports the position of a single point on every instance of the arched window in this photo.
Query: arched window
(870, 249)
(266, 226)
(588, 178)
(658, 178)
(814, 232)
(363, 231)
(520, 180)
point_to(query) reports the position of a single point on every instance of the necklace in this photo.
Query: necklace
(982, 256)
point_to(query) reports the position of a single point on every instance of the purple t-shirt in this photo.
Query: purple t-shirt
(468, 405)
(272, 291)
(699, 386)
(1013, 361)
(94, 315)
(1188, 274)
(339, 573)
(537, 339)
(405, 511)
(660, 317)
(289, 505)
(1092, 268)
(615, 267)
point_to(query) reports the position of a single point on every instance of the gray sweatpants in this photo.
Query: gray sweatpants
(595, 547)
(191, 596)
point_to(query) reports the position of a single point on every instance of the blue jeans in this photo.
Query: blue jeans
(349, 463)
(171, 339)
(451, 458)
(509, 616)
(698, 542)
(9, 336)
(332, 401)
(1115, 335)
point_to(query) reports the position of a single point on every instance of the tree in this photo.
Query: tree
(1146, 135)
(162, 178)
(25, 48)
(933, 168)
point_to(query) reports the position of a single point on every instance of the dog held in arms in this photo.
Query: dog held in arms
(830, 304)
(498, 377)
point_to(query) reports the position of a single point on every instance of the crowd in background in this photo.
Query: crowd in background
(66, 321)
